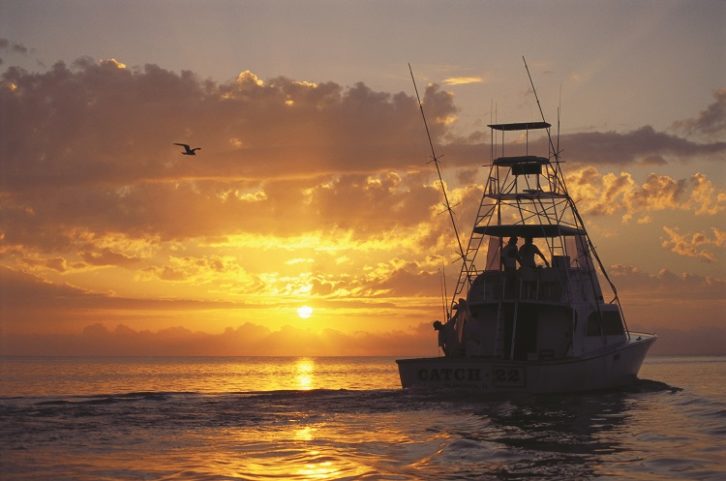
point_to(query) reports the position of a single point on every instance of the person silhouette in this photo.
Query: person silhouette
(448, 340)
(510, 255)
(527, 253)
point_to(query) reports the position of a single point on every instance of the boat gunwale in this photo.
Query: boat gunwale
(642, 337)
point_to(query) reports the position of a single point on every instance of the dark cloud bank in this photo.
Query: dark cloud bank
(89, 147)
(97, 123)
(255, 340)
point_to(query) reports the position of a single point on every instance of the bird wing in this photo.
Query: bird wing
(186, 146)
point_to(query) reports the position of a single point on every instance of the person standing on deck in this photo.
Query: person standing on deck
(510, 257)
(448, 340)
(527, 253)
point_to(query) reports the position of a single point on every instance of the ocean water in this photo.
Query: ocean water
(344, 419)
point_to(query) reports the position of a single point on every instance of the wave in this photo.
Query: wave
(412, 395)
(360, 434)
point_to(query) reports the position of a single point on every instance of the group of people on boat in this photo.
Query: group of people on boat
(511, 255)
(524, 256)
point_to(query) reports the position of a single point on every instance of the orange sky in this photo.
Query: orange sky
(308, 193)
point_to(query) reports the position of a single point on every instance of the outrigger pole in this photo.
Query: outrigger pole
(435, 159)
(572, 204)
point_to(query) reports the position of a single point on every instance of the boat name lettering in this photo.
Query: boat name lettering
(508, 376)
(449, 374)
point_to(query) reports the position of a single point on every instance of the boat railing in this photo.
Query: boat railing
(543, 284)
(493, 185)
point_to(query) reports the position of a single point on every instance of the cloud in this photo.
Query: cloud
(21, 289)
(644, 146)
(695, 244)
(706, 341)
(27, 300)
(609, 194)
(248, 339)
(666, 284)
(463, 80)
(13, 47)
(125, 225)
(666, 302)
(25, 297)
(251, 339)
(710, 123)
(90, 157)
(96, 123)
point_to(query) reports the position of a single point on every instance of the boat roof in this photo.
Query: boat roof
(522, 230)
(521, 159)
(520, 126)
(527, 195)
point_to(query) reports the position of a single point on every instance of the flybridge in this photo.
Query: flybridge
(521, 164)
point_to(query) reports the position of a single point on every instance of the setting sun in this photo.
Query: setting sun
(304, 312)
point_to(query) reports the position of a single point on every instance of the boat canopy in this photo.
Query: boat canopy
(523, 164)
(520, 126)
(522, 230)
(521, 159)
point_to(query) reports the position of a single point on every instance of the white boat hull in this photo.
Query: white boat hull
(611, 368)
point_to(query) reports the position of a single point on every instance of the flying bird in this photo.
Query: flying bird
(188, 150)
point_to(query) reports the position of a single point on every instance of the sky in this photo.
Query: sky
(314, 187)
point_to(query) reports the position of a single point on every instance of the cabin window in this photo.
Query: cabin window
(612, 325)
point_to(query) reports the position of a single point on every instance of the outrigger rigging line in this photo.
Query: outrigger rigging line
(435, 159)
(576, 213)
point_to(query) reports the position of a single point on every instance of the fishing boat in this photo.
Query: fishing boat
(528, 313)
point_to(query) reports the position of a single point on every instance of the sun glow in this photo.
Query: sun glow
(305, 370)
(304, 312)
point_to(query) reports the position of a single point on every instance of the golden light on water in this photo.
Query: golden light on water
(304, 312)
(304, 434)
(321, 470)
(305, 370)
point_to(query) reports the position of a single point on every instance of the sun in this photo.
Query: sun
(304, 312)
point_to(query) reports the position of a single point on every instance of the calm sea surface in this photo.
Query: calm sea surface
(345, 418)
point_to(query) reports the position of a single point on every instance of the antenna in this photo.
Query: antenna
(559, 107)
(438, 169)
(536, 97)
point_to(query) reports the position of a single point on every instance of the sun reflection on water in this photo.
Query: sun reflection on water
(304, 374)
(319, 470)
(304, 434)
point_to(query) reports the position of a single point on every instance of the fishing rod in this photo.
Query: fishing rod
(444, 294)
(435, 159)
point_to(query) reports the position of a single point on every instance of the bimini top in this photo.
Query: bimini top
(521, 230)
(521, 159)
(520, 126)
